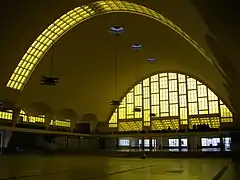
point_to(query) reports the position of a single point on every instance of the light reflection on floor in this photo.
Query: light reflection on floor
(34, 167)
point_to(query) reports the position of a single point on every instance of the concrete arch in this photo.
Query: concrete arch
(67, 114)
(76, 16)
(38, 108)
(7, 105)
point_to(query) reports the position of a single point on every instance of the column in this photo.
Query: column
(116, 143)
(142, 145)
(150, 144)
(180, 143)
(235, 144)
(72, 125)
(16, 113)
(47, 121)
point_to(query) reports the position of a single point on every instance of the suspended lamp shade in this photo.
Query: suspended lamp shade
(116, 30)
(137, 47)
(151, 60)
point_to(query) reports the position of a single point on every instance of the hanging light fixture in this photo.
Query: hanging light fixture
(151, 60)
(50, 80)
(116, 30)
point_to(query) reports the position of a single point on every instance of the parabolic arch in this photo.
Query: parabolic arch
(74, 17)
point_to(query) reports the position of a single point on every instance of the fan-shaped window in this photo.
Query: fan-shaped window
(169, 100)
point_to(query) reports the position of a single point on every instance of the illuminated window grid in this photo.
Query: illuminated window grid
(77, 16)
(194, 121)
(24, 116)
(168, 123)
(6, 115)
(224, 111)
(206, 121)
(154, 98)
(137, 101)
(61, 123)
(175, 123)
(113, 121)
(123, 126)
(197, 109)
(215, 122)
(146, 102)
(33, 119)
(226, 120)
(157, 125)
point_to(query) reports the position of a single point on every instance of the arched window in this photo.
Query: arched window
(169, 100)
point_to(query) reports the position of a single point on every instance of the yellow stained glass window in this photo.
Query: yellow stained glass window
(154, 78)
(211, 95)
(163, 82)
(175, 102)
(172, 76)
(182, 88)
(174, 110)
(193, 108)
(173, 97)
(203, 103)
(183, 101)
(181, 78)
(130, 97)
(138, 89)
(138, 100)
(213, 107)
(183, 113)
(146, 103)
(155, 99)
(164, 94)
(202, 91)
(146, 92)
(191, 83)
(173, 85)
(122, 113)
(154, 87)
(164, 106)
(192, 96)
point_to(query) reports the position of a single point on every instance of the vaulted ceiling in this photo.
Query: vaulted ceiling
(84, 57)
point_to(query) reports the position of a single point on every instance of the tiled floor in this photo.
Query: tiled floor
(36, 167)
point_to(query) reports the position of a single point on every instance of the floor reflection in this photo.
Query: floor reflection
(33, 167)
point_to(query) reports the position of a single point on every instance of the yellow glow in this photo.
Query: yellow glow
(76, 16)
(5, 115)
(173, 107)
(36, 119)
(60, 123)
(24, 116)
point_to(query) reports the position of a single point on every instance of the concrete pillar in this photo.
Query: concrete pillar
(73, 125)
(142, 144)
(16, 113)
(47, 121)
(192, 143)
(150, 144)
(235, 144)
(180, 142)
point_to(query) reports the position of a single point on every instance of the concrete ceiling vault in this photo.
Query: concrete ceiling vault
(84, 57)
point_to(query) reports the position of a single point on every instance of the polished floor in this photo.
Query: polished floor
(36, 167)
